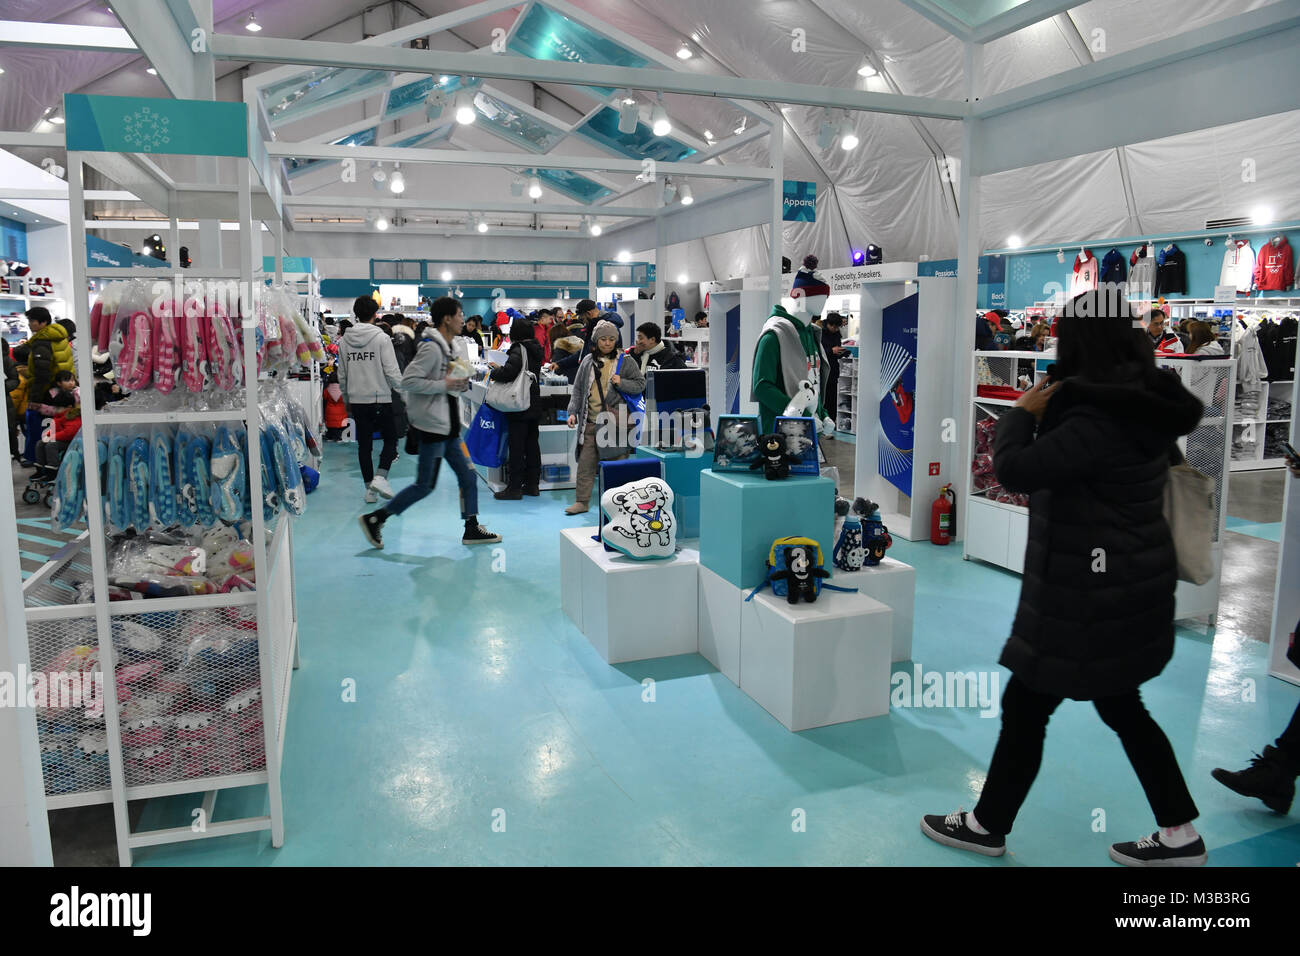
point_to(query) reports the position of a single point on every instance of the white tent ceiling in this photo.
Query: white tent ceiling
(891, 190)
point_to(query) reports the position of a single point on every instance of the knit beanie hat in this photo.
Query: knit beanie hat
(810, 291)
(604, 329)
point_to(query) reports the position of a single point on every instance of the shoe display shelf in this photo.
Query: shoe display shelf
(171, 721)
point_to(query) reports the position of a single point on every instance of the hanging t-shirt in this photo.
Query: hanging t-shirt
(1238, 265)
(1085, 273)
(1142, 278)
(1171, 271)
(1274, 269)
(1112, 267)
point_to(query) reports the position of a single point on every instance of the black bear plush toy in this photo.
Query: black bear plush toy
(773, 458)
(800, 575)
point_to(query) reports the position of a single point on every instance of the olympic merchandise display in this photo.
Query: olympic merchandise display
(640, 521)
(1238, 265)
(1084, 278)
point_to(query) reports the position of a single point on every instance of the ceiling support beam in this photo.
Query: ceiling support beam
(158, 36)
(358, 56)
(1125, 99)
(1023, 15)
(407, 204)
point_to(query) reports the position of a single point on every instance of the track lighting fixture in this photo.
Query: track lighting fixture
(659, 121)
(252, 26)
(848, 134)
(685, 195)
(669, 191)
(517, 186)
(628, 115)
(534, 187)
(465, 111)
(397, 182)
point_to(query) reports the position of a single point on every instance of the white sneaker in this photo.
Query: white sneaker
(371, 496)
(381, 485)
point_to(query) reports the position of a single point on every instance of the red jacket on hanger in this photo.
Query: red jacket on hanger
(1274, 268)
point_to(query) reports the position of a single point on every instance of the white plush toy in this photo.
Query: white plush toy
(804, 404)
(641, 522)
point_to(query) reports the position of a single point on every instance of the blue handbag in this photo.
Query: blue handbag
(486, 437)
(635, 403)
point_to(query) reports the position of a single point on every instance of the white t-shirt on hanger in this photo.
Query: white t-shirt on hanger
(1238, 265)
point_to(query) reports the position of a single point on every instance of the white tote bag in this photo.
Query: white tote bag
(512, 396)
(1189, 509)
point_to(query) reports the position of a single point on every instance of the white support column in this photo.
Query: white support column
(94, 511)
(660, 264)
(968, 255)
(776, 242)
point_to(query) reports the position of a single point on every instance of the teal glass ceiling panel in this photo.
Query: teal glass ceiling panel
(296, 167)
(977, 12)
(410, 95)
(516, 126)
(574, 185)
(544, 34)
(602, 128)
(284, 101)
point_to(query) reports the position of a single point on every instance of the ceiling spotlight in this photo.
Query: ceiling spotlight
(252, 26)
(659, 121)
(848, 135)
(669, 191)
(397, 182)
(708, 135)
(592, 226)
(534, 187)
(517, 186)
(684, 51)
(465, 112)
(685, 195)
(627, 116)
(481, 224)
(681, 278)
(827, 134)
(866, 69)
(151, 71)
(56, 120)
(435, 102)
(1262, 215)
(459, 294)
(2, 72)
(145, 250)
(381, 223)
(444, 79)
(1014, 242)
(446, 275)
(624, 256)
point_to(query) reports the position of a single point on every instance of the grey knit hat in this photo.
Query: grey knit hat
(604, 329)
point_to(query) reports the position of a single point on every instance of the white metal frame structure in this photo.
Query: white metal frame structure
(50, 596)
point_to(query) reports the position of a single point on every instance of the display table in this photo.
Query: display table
(810, 665)
(682, 472)
(893, 584)
(556, 442)
(630, 610)
(741, 514)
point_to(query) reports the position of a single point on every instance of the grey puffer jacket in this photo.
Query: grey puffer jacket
(631, 381)
(424, 384)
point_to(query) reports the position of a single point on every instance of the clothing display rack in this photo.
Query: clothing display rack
(114, 759)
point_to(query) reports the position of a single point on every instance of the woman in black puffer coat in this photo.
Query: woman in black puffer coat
(1096, 613)
(524, 463)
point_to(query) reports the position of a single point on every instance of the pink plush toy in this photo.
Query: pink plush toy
(135, 361)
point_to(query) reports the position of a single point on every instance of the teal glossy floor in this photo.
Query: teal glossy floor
(478, 703)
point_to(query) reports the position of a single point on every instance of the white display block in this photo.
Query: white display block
(893, 584)
(810, 665)
(636, 610)
(720, 604)
(573, 541)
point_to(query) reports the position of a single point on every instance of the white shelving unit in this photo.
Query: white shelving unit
(694, 344)
(68, 614)
(846, 412)
(557, 442)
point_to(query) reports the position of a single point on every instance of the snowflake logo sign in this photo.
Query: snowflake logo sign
(146, 130)
(1020, 271)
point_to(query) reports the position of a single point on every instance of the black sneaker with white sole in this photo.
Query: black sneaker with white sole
(953, 831)
(477, 534)
(1149, 851)
(372, 526)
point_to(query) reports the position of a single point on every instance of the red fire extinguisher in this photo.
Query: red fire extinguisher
(943, 516)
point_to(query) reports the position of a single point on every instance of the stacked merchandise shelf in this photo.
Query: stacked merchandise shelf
(181, 586)
(1264, 341)
(846, 415)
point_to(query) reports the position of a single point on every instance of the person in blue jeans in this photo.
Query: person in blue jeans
(431, 385)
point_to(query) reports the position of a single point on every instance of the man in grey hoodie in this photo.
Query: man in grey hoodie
(368, 374)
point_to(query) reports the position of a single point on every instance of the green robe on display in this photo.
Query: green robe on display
(769, 384)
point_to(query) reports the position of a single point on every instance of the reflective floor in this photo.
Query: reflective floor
(486, 729)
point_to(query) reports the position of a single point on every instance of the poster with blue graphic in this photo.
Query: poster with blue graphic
(897, 423)
(732, 326)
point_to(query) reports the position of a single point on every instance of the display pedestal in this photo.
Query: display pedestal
(742, 514)
(810, 665)
(893, 584)
(683, 476)
(720, 604)
(630, 610)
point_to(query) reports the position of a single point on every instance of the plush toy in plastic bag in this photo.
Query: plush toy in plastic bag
(641, 521)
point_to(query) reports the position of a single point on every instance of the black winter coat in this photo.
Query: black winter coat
(511, 370)
(1096, 613)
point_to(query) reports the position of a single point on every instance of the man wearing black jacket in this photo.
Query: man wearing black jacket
(653, 352)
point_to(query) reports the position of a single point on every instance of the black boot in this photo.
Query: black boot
(508, 494)
(1270, 777)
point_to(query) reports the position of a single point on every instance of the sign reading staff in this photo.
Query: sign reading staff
(800, 201)
(137, 124)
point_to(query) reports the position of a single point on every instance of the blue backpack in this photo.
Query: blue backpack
(794, 570)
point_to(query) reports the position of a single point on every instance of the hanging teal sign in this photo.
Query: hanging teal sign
(136, 124)
(800, 202)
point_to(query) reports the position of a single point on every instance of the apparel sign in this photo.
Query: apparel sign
(136, 124)
(800, 201)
